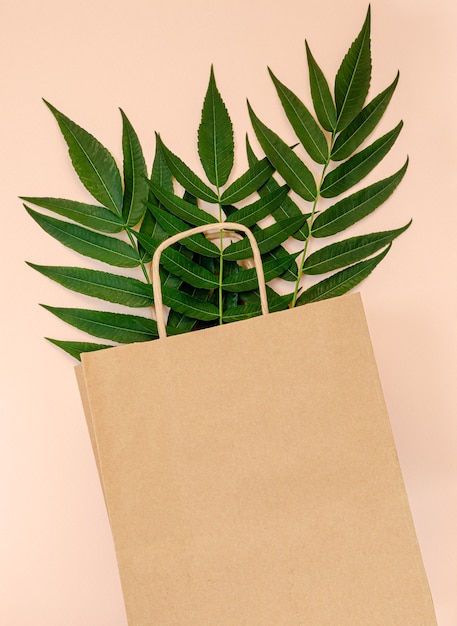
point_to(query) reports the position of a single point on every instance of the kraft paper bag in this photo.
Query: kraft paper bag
(251, 477)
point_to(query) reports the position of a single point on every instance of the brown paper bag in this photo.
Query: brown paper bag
(251, 477)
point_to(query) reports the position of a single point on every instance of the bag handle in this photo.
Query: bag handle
(157, 287)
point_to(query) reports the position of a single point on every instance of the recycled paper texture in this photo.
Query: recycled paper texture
(251, 477)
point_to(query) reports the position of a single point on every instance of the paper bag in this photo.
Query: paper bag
(251, 477)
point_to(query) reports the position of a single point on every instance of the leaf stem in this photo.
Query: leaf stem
(221, 259)
(311, 221)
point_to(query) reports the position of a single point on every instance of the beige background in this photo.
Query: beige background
(57, 565)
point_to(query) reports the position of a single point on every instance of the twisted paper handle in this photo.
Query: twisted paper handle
(156, 284)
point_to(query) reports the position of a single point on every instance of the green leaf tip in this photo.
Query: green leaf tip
(117, 327)
(352, 80)
(294, 171)
(321, 96)
(358, 205)
(186, 177)
(93, 163)
(215, 136)
(363, 124)
(135, 175)
(76, 348)
(359, 165)
(306, 128)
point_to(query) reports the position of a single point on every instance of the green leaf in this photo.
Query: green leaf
(76, 348)
(353, 77)
(248, 183)
(147, 242)
(320, 94)
(212, 264)
(135, 183)
(349, 251)
(161, 173)
(363, 124)
(161, 176)
(169, 280)
(104, 285)
(196, 292)
(188, 270)
(117, 327)
(182, 209)
(94, 165)
(307, 130)
(288, 207)
(267, 238)
(94, 245)
(173, 225)
(180, 323)
(229, 298)
(284, 159)
(251, 297)
(186, 177)
(246, 280)
(341, 282)
(291, 273)
(190, 198)
(241, 312)
(152, 230)
(192, 307)
(350, 210)
(92, 216)
(350, 172)
(267, 205)
(245, 311)
(215, 136)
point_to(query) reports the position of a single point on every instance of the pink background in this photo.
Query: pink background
(57, 565)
